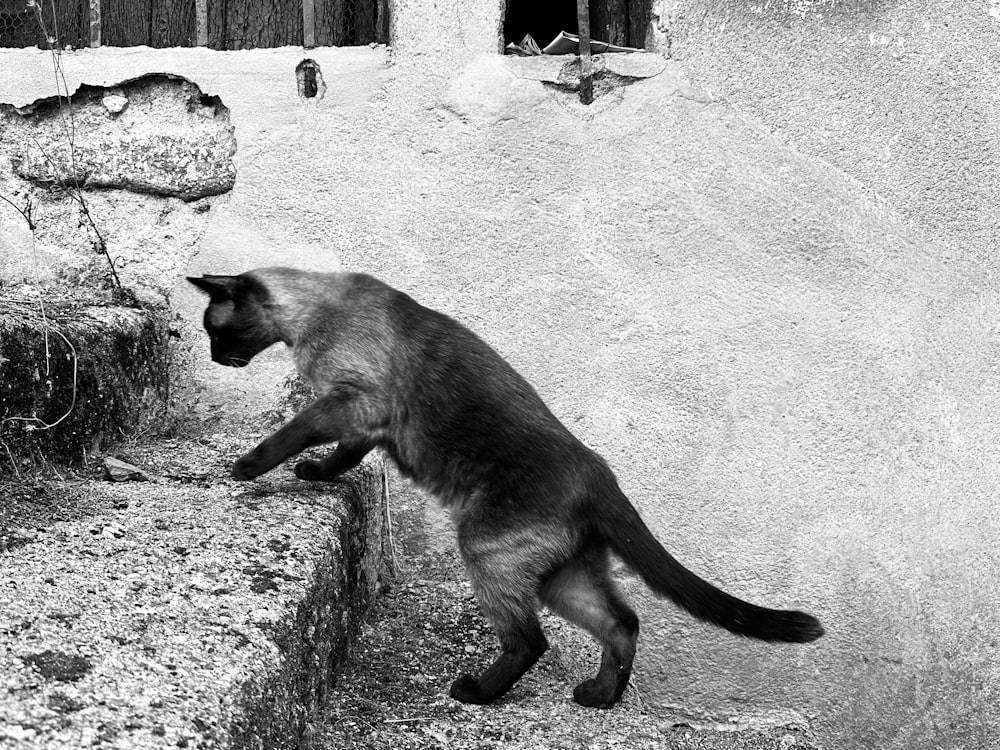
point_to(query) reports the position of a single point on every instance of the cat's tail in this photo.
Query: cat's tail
(631, 539)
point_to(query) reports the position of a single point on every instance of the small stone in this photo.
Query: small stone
(114, 103)
(119, 471)
(113, 531)
(16, 732)
(199, 582)
(64, 704)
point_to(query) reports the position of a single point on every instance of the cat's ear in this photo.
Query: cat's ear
(219, 288)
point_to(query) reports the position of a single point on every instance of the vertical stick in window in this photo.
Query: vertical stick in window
(586, 65)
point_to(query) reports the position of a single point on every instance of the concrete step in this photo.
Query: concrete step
(188, 610)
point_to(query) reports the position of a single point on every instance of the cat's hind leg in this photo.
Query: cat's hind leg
(582, 592)
(505, 592)
(343, 459)
(522, 642)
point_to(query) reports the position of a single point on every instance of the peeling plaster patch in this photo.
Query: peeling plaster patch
(612, 74)
(154, 134)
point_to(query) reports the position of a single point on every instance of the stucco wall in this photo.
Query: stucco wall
(904, 96)
(794, 379)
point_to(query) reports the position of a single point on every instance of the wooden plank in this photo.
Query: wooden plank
(126, 23)
(95, 23)
(382, 22)
(331, 24)
(248, 24)
(201, 22)
(308, 24)
(66, 21)
(172, 23)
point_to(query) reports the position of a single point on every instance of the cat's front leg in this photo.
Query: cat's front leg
(263, 458)
(325, 420)
(288, 441)
(348, 455)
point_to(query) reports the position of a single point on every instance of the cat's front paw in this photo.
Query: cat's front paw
(247, 467)
(311, 471)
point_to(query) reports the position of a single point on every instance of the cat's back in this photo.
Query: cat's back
(458, 371)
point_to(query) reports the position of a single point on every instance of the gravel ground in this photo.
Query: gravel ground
(425, 631)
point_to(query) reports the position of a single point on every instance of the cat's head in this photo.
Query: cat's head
(238, 319)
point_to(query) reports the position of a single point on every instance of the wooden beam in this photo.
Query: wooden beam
(95, 23)
(201, 22)
(382, 23)
(308, 24)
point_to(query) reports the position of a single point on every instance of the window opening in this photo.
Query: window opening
(621, 23)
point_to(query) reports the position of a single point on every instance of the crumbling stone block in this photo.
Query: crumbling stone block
(153, 134)
(76, 378)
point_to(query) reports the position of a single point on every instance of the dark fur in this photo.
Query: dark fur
(537, 512)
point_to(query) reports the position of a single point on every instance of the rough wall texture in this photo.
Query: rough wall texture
(794, 377)
(901, 95)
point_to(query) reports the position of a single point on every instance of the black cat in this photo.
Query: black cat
(537, 512)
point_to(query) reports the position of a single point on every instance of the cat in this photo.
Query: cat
(536, 512)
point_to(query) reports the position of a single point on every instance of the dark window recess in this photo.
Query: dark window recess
(310, 79)
(621, 22)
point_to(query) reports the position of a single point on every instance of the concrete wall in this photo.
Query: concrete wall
(795, 379)
(903, 96)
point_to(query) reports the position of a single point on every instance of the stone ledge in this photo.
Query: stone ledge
(186, 611)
